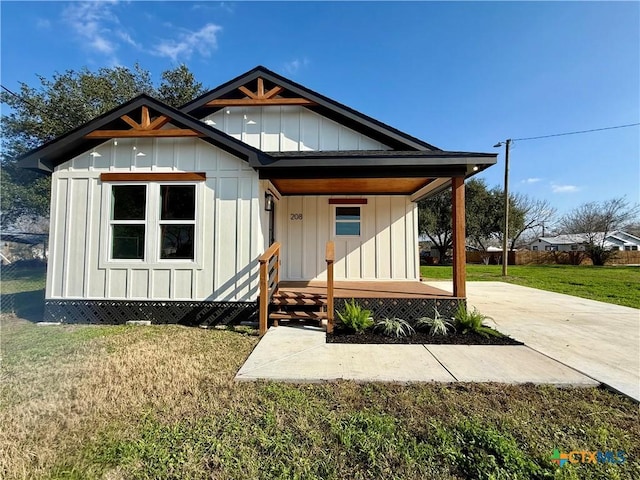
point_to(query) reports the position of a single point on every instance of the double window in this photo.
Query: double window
(153, 221)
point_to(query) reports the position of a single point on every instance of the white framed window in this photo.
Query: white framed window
(152, 223)
(128, 222)
(177, 221)
(551, 248)
(347, 221)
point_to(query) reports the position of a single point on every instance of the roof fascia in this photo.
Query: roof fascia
(36, 159)
(375, 161)
(325, 102)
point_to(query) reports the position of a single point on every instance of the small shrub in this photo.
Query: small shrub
(354, 317)
(394, 327)
(473, 321)
(436, 325)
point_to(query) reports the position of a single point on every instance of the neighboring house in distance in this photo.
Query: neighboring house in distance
(187, 215)
(576, 242)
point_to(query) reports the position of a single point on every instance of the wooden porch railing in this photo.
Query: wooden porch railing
(269, 280)
(330, 258)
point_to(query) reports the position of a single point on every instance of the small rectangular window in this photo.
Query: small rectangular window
(177, 221)
(348, 221)
(128, 215)
(535, 248)
(634, 248)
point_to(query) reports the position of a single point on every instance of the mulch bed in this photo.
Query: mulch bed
(343, 336)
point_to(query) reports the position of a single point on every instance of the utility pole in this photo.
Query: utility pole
(505, 238)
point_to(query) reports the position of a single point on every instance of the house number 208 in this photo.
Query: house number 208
(296, 216)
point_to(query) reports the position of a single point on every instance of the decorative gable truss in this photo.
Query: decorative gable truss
(253, 93)
(145, 127)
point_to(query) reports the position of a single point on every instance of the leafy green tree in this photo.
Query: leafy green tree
(484, 214)
(62, 103)
(179, 86)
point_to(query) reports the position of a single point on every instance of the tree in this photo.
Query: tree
(179, 86)
(592, 222)
(434, 221)
(483, 216)
(536, 215)
(60, 104)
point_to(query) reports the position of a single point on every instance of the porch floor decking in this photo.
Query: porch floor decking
(363, 289)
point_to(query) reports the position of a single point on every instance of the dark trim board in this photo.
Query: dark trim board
(118, 312)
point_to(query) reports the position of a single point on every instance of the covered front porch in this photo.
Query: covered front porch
(318, 300)
(363, 207)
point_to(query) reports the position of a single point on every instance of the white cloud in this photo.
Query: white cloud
(294, 65)
(126, 38)
(93, 22)
(98, 27)
(43, 23)
(531, 180)
(203, 41)
(555, 188)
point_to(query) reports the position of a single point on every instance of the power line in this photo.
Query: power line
(575, 133)
(35, 107)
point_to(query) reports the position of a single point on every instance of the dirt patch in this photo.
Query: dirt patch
(344, 336)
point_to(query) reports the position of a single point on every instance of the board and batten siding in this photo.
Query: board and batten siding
(289, 128)
(229, 219)
(387, 248)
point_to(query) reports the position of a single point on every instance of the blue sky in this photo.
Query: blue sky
(461, 76)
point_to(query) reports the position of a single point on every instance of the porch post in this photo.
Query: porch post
(459, 237)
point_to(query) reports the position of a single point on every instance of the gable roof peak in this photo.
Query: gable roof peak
(284, 91)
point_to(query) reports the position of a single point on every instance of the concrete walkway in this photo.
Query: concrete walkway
(599, 339)
(301, 354)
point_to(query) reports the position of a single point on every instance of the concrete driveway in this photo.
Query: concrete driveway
(601, 340)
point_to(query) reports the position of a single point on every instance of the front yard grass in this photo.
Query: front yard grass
(619, 284)
(160, 402)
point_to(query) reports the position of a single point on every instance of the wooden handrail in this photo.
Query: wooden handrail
(269, 280)
(330, 257)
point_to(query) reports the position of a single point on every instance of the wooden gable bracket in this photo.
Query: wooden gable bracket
(147, 128)
(259, 98)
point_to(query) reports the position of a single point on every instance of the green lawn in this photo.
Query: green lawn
(619, 284)
(85, 402)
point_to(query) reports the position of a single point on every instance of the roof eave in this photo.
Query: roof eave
(43, 157)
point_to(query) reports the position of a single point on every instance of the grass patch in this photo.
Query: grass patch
(160, 402)
(22, 291)
(618, 285)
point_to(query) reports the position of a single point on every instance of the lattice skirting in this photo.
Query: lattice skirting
(406, 308)
(113, 312)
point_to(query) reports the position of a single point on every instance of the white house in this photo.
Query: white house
(165, 214)
(576, 242)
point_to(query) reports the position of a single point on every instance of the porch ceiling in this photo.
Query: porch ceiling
(350, 186)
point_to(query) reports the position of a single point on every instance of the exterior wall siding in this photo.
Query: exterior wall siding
(289, 128)
(228, 219)
(387, 248)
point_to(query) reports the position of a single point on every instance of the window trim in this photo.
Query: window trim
(152, 224)
(143, 222)
(335, 221)
(162, 222)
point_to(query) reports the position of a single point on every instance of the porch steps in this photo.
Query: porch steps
(281, 301)
(301, 307)
(298, 315)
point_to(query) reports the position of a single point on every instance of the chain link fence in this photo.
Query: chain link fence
(23, 268)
